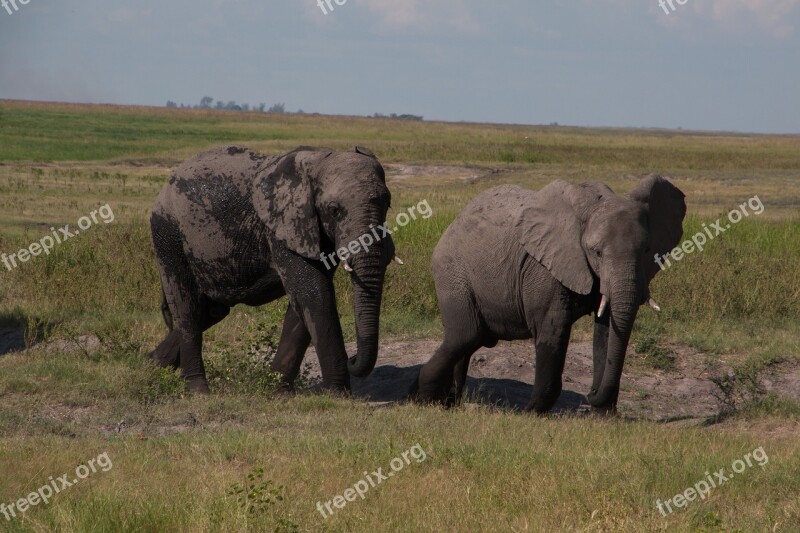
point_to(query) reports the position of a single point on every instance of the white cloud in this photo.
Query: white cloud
(396, 13)
(739, 15)
(405, 15)
(734, 16)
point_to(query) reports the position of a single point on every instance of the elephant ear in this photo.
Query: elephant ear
(550, 229)
(363, 151)
(285, 202)
(666, 208)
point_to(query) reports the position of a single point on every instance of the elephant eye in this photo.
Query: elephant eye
(336, 212)
(599, 254)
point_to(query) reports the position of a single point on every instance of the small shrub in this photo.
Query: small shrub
(159, 385)
(738, 389)
(259, 497)
(249, 373)
(654, 356)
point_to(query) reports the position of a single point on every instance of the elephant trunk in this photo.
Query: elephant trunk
(624, 304)
(368, 275)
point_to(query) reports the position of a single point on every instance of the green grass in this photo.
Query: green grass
(176, 457)
(174, 460)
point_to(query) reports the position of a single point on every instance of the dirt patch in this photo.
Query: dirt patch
(442, 173)
(503, 376)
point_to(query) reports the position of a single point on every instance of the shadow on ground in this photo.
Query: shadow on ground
(390, 383)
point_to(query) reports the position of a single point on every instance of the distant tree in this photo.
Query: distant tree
(220, 104)
(245, 107)
(395, 116)
(278, 108)
(170, 103)
(206, 101)
(262, 107)
(301, 112)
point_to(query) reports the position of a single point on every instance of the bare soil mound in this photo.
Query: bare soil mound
(503, 376)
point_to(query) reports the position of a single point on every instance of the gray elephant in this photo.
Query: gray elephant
(519, 264)
(234, 226)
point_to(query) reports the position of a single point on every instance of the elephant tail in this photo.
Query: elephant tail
(168, 353)
(165, 312)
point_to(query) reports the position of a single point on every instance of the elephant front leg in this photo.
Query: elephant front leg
(326, 334)
(294, 342)
(312, 297)
(551, 350)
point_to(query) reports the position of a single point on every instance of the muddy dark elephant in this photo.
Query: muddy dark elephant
(519, 264)
(234, 226)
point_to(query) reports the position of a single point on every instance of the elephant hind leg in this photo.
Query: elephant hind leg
(459, 381)
(168, 353)
(436, 383)
(293, 344)
(442, 378)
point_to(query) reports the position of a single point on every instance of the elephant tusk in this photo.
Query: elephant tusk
(398, 260)
(603, 305)
(347, 267)
(652, 303)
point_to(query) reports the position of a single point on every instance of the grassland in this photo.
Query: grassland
(176, 456)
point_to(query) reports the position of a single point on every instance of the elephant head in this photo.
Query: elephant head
(318, 202)
(596, 242)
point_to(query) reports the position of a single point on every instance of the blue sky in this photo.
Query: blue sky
(710, 64)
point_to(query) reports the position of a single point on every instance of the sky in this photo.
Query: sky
(730, 65)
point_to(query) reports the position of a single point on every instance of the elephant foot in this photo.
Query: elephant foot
(338, 392)
(604, 412)
(163, 361)
(198, 385)
(539, 407)
(450, 401)
(424, 398)
(284, 390)
(453, 399)
(168, 353)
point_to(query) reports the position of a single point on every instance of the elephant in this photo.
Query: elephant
(518, 264)
(234, 226)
